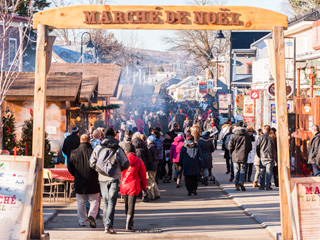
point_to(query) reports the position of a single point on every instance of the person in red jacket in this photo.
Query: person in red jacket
(132, 180)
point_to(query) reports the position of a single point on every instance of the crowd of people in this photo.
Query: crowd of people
(244, 148)
(153, 147)
(135, 157)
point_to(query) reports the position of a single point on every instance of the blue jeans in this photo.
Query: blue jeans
(109, 191)
(239, 172)
(266, 168)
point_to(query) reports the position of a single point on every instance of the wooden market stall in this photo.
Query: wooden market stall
(307, 111)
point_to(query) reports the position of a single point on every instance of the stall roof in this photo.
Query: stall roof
(109, 74)
(60, 86)
(88, 86)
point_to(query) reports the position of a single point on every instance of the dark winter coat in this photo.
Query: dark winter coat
(240, 145)
(159, 143)
(314, 148)
(85, 178)
(134, 178)
(153, 160)
(180, 119)
(164, 123)
(141, 150)
(191, 159)
(207, 148)
(70, 143)
(266, 148)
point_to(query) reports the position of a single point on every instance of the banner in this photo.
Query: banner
(248, 107)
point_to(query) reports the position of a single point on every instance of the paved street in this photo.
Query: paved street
(210, 215)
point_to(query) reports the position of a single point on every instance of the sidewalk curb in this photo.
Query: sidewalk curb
(275, 235)
(54, 214)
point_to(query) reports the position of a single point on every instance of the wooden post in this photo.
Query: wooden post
(38, 140)
(311, 83)
(278, 60)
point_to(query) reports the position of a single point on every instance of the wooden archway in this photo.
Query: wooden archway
(168, 18)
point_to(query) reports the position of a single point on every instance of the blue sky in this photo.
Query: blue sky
(152, 39)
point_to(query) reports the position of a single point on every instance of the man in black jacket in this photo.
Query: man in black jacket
(85, 181)
(266, 151)
(71, 143)
(239, 146)
(314, 149)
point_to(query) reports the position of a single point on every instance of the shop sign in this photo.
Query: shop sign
(272, 89)
(15, 196)
(239, 100)
(306, 200)
(157, 17)
(248, 119)
(203, 87)
(306, 109)
(248, 107)
(223, 101)
(210, 84)
(254, 94)
(316, 35)
(273, 112)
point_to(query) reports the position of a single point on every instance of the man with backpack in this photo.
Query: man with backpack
(108, 159)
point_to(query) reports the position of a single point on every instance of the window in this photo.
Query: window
(12, 49)
(249, 68)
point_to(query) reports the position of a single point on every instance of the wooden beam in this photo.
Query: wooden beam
(38, 140)
(160, 17)
(278, 61)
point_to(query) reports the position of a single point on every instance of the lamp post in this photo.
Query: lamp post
(89, 45)
(230, 80)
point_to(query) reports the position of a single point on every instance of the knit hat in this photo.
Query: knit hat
(180, 134)
(75, 130)
(205, 134)
(109, 132)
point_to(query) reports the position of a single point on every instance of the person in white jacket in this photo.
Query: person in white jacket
(251, 155)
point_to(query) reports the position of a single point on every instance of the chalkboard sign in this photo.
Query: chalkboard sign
(17, 180)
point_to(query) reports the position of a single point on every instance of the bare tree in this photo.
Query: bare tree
(11, 55)
(201, 45)
(107, 47)
(300, 6)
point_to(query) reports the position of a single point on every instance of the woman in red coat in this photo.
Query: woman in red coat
(132, 180)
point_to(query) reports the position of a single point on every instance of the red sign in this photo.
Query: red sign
(254, 94)
(248, 119)
(203, 87)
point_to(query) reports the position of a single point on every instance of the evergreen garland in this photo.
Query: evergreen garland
(25, 144)
(9, 132)
(96, 108)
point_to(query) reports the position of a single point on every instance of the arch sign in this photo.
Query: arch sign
(158, 18)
